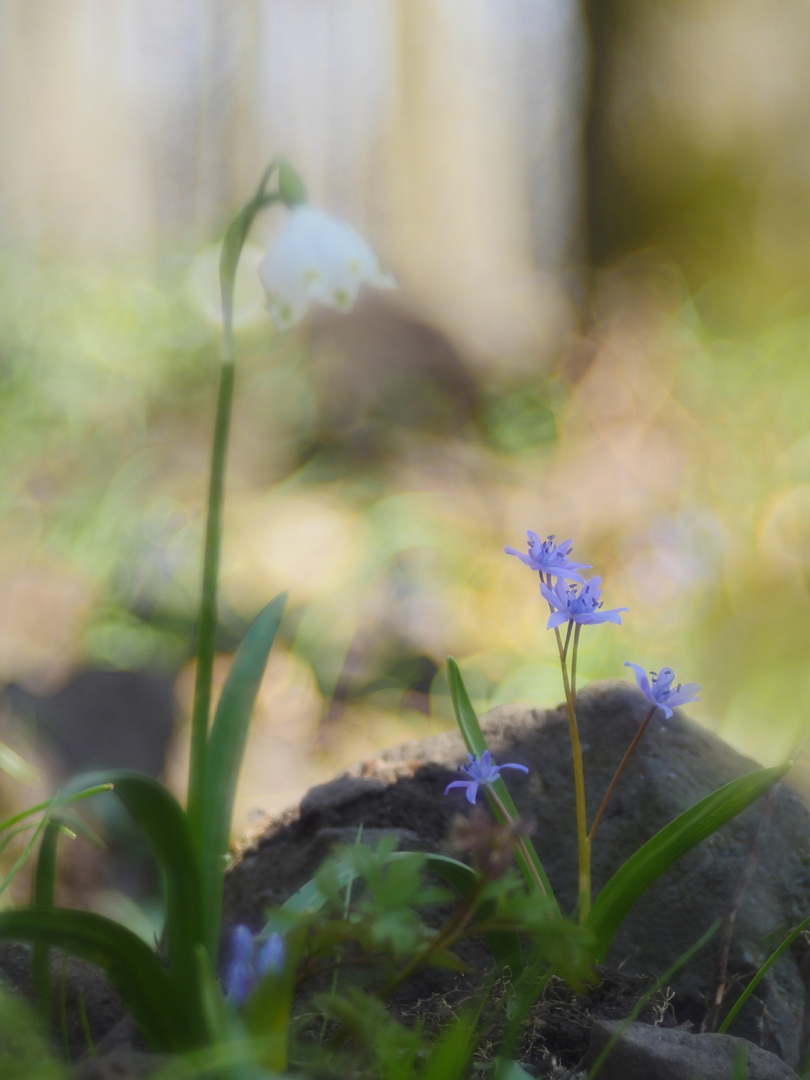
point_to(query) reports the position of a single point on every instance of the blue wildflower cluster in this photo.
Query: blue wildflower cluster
(250, 961)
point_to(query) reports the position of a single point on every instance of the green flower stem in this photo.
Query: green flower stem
(574, 661)
(206, 634)
(583, 843)
(208, 605)
(521, 843)
(620, 770)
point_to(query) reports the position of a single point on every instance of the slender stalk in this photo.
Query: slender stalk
(521, 843)
(207, 625)
(574, 660)
(620, 770)
(567, 639)
(206, 634)
(583, 843)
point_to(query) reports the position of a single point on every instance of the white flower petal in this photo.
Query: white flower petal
(316, 257)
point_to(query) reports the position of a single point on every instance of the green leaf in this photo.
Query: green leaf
(44, 883)
(476, 744)
(744, 996)
(451, 1052)
(162, 818)
(503, 944)
(132, 967)
(633, 879)
(226, 747)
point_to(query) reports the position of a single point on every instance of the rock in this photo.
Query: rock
(645, 1052)
(677, 764)
(339, 792)
(85, 983)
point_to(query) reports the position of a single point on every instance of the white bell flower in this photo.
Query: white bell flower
(316, 257)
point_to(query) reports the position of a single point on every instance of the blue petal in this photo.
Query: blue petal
(641, 679)
(460, 783)
(472, 791)
(527, 559)
(552, 597)
(271, 955)
(557, 618)
(512, 765)
(241, 945)
(240, 982)
(687, 693)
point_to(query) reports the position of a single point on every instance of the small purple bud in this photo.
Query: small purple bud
(271, 956)
(240, 982)
(241, 944)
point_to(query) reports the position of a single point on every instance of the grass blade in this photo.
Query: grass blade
(645, 997)
(744, 996)
(476, 744)
(226, 746)
(633, 879)
(44, 885)
(132, 967)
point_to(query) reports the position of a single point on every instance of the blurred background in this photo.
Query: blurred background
(598, 216)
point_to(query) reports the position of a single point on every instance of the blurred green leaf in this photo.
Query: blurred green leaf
(132, 967)
(226, 747)
(161, 817)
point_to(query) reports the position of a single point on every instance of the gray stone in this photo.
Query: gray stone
(677, 764)
(339, 792)
(645, 1052)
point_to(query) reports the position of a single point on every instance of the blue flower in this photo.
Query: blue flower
(250, 961)
(660, 691)
(546, 557)
(480, 772)
(584, 607)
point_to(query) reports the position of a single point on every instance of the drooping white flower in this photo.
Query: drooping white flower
(316, 257)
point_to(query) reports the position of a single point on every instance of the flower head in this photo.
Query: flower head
(250, 961)
(480, 772)
(660, 691)
(584, 607)
(546, 557)
(316, 257)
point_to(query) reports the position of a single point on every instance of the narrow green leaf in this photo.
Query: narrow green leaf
(476, 744)
(633, 879)
(131, 966)
(744, 996)
(226, 747)
(162, 818)
(44, 885)
(62, 798)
